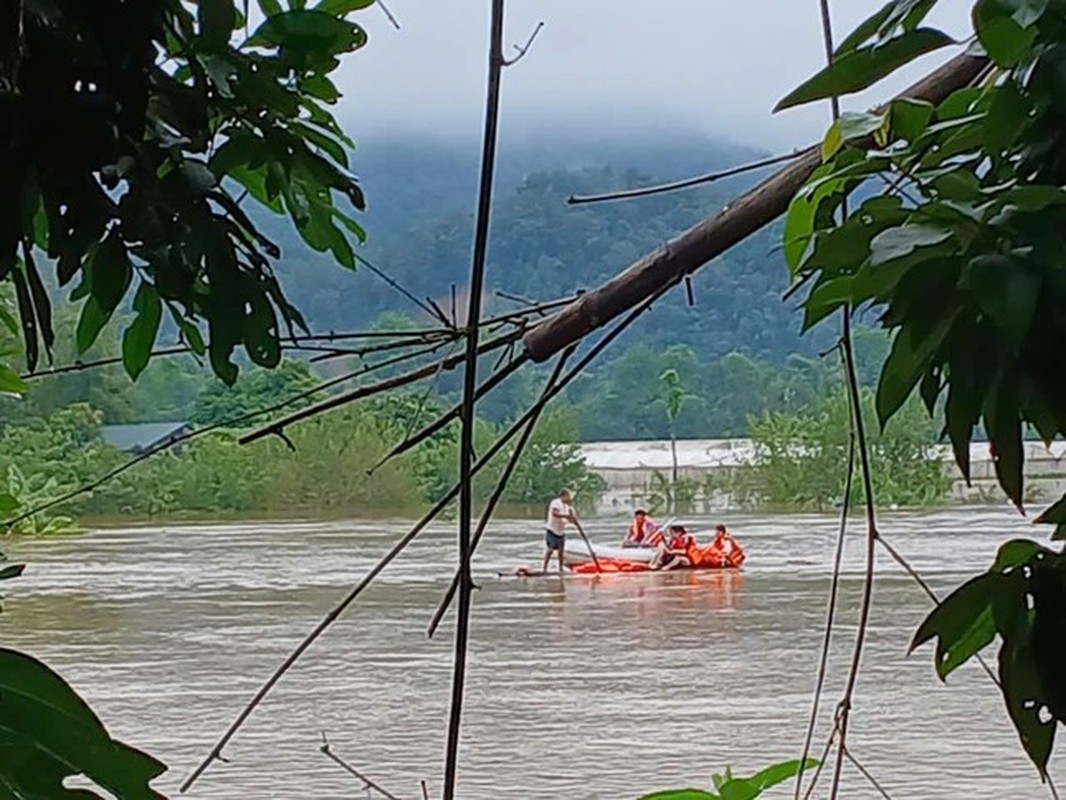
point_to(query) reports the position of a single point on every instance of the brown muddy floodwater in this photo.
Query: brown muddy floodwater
(584, 688)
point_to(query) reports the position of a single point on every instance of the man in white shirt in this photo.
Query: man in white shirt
(560, 512)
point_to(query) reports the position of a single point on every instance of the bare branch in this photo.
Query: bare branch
(673, 186)
(524, 48)
(866, 773)
(388, 14)
(415, 439)
(433, 311)
(830, 614)
(475, 291)
(367, 391)
(367, 783)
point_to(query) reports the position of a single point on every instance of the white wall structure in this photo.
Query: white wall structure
(634, 471)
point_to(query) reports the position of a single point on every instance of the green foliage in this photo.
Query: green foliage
(544, 249)
(329, 472)
(255, 390)
(45, 458)
(178, 109)
(968, 268)
(727, 787)
(624, 399)
(965, 265)
(674, 395)
(49, 734)
(1021, 599)
(32, 492)
(801, 457)
(552, 459)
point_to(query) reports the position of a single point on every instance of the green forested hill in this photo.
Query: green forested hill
(420, 227)
(738, 349)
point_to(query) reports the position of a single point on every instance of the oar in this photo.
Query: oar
(588, 544)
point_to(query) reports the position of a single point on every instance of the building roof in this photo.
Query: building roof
(140, 436)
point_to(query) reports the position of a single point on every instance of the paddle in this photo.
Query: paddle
(588, 544)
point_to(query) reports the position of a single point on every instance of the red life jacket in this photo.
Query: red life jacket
(679, 541)
(636, 532)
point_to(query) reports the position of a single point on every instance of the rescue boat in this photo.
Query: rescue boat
(612, 558)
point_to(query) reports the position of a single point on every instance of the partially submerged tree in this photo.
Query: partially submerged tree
(674, 397)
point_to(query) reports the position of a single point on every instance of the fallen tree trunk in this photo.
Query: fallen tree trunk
(712, 237)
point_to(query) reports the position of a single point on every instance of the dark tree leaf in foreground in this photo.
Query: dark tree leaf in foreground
(131, 134)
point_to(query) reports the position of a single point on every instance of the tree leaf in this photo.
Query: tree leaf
(26, 317)
(910, 118)
(1016, 552)
(217, 19)
(109, 274)
(1049, 630)
(1024, 695)
(10, 381)
(1007, 290)
(341, 8)
(962, 623)
(865, 31)
(962, 412)
(9, 571)
(775, 774)
(903, 240)
(8, 503)
(42, 303)
(309, 40)
(1006, 116)
(1054, 514)
(929, 389)
(850, 127)
(1005, 437)
(862, 68)
(826, 297)
(139, 338)
(1005, 41)
(43, 718)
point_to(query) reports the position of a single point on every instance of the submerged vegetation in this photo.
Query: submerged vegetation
(801, 458)
(327, 469)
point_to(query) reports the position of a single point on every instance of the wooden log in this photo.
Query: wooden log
(712, 237)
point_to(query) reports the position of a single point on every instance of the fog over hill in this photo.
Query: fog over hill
(421, 192)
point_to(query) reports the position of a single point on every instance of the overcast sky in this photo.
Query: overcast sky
(714, 65)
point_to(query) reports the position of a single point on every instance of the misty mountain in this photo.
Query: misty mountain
(421, 194)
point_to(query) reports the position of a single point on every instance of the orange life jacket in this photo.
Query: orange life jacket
(714, 555)
(638, 532)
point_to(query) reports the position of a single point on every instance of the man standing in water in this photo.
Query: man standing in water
(560, 512)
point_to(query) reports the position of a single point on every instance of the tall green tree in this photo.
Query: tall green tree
(674, 398)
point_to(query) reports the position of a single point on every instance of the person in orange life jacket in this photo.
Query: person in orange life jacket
(724, 550)
(673, 553)
(641, 531)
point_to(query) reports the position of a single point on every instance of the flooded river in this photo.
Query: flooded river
(585, 689)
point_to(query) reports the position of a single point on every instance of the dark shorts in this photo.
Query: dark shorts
(553, 541)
